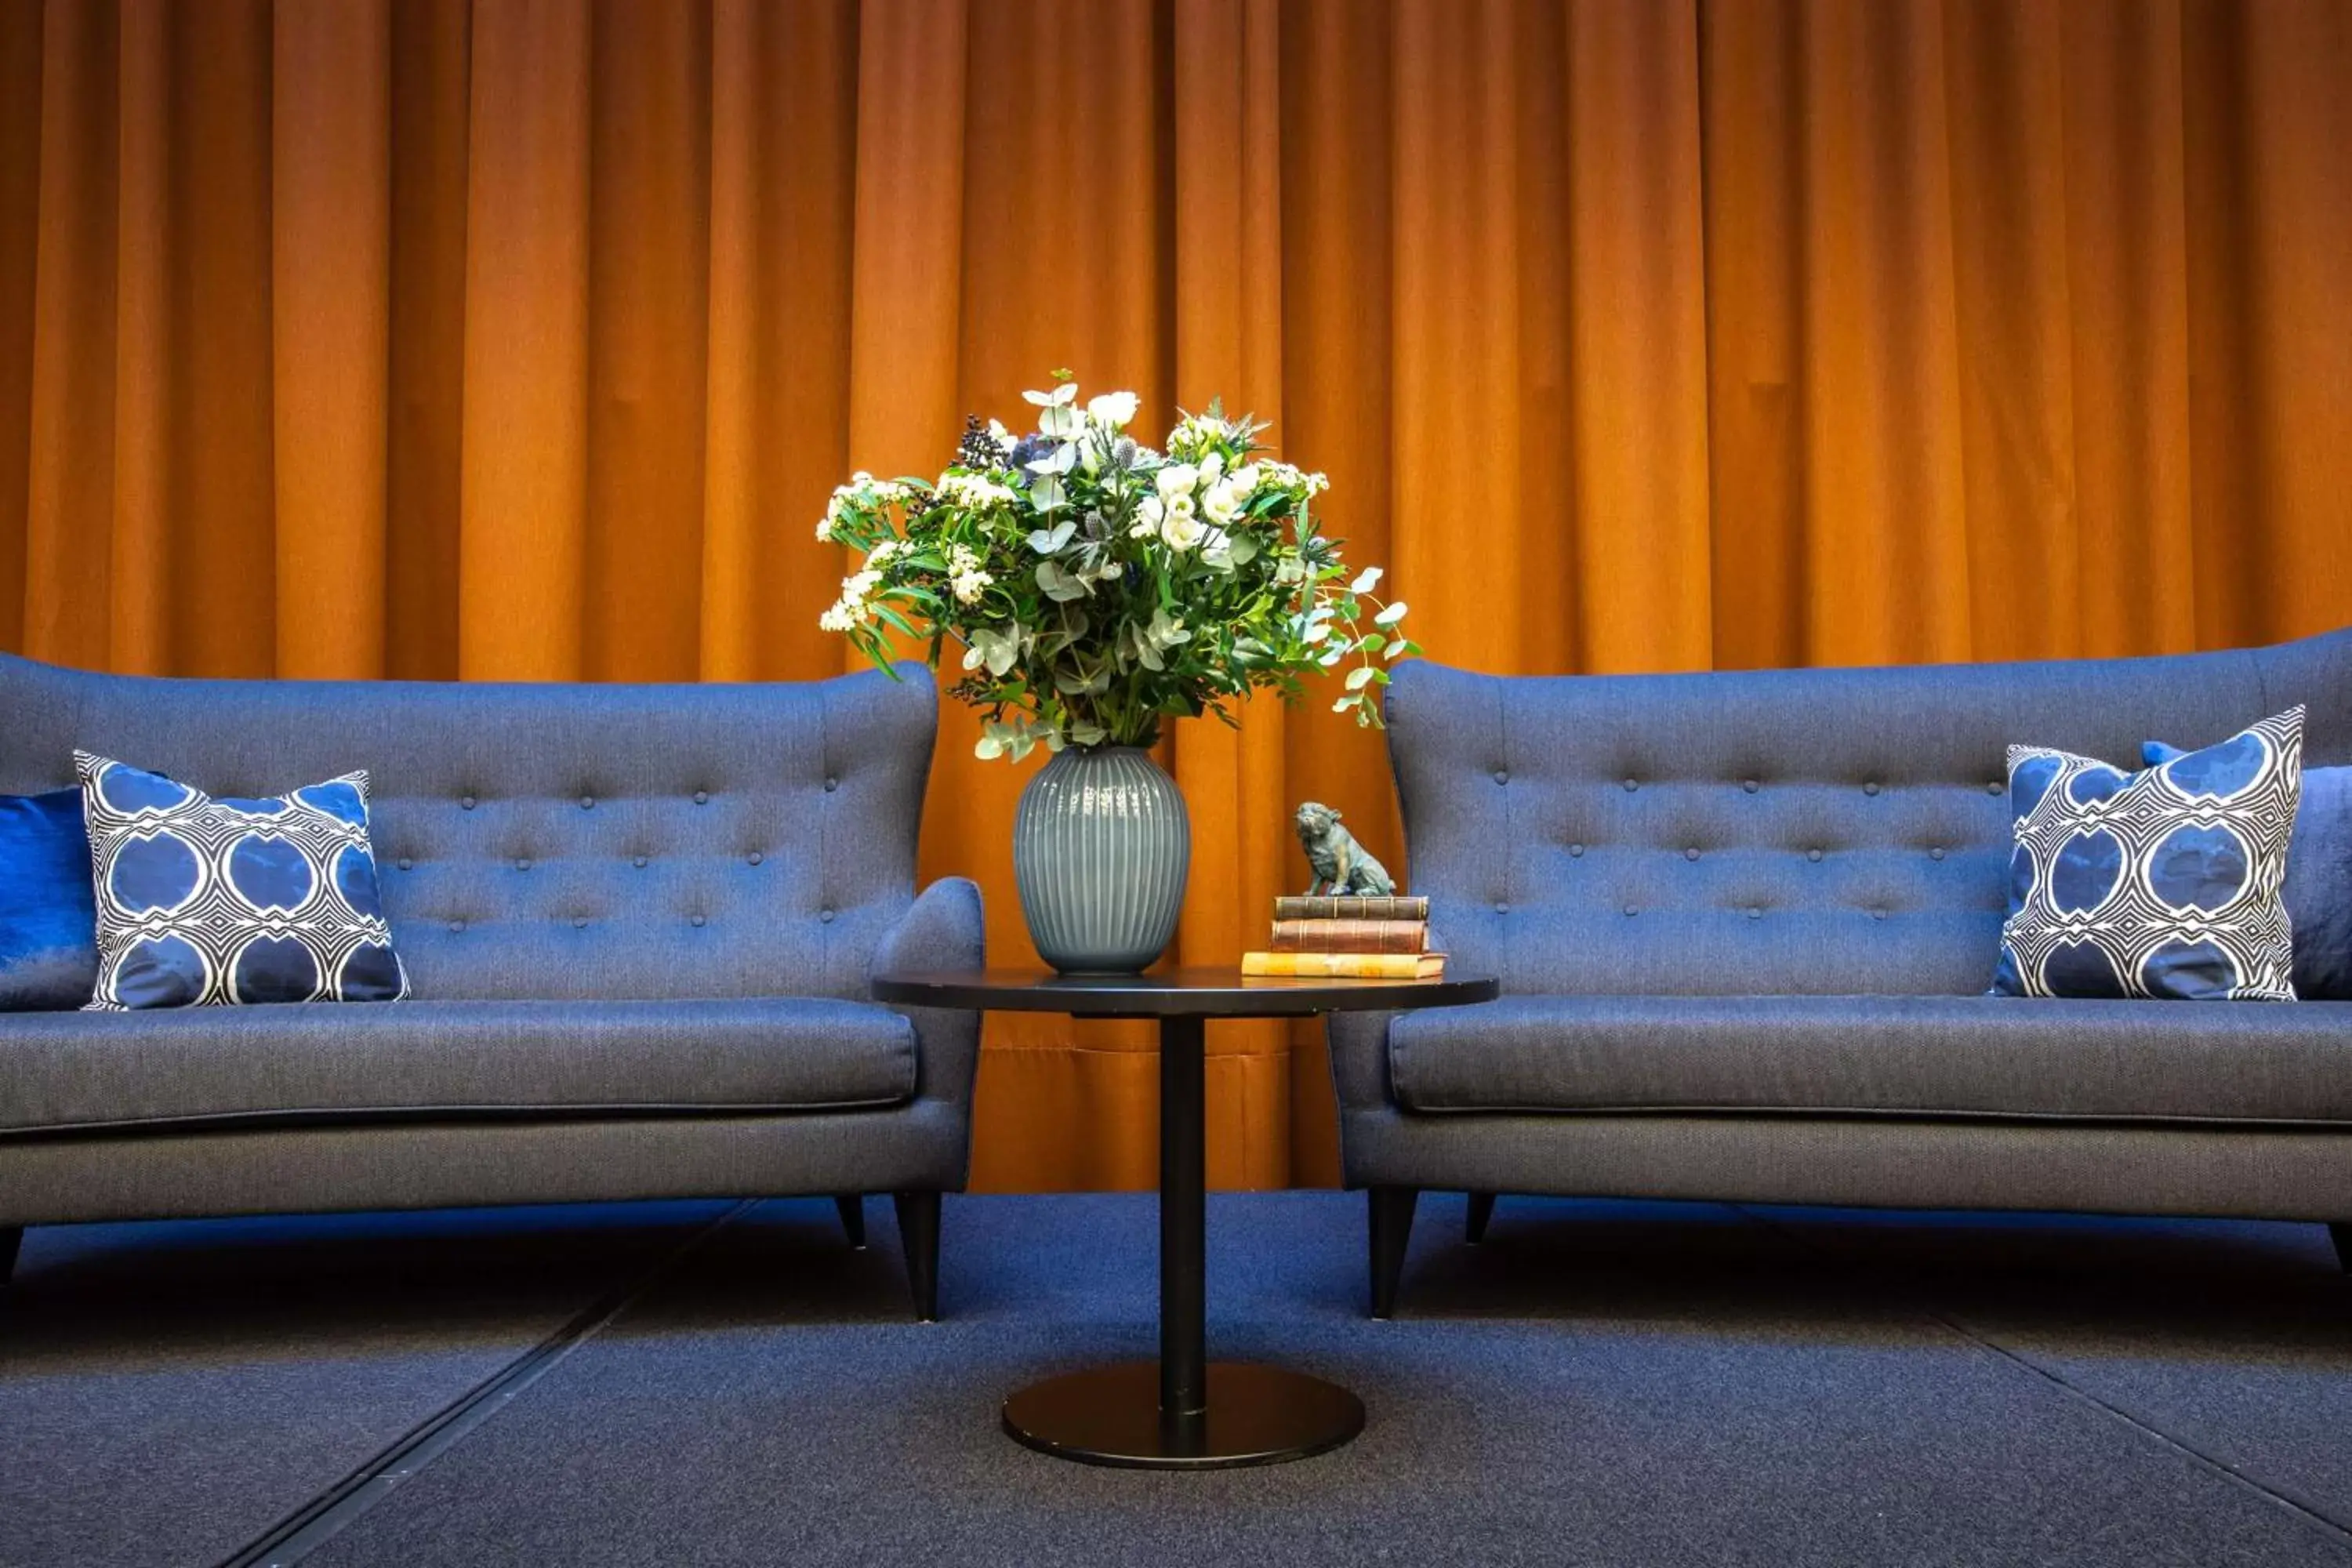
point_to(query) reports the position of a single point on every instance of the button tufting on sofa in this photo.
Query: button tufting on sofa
(1631, 785)
(1871, 787)
(578, 922)
(1995, 787)
(587, 803)
(1750, 786)
(1812, 853)
(1501, 908)
(1937, 853)
(1502, 775)
(702, 797)
(694, 919)
(1631, 911)
(825, 915)
(403, 863)
(457, 925)
(1755, 912)
(1576, 851)
(523, 863)
(638, 861)
(1691, 853)
(831, 784)
(753, 858)
(466, 802)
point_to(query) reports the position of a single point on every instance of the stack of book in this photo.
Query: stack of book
(1322, 936)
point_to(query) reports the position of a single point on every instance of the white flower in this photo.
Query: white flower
(968, 585)
(1213, 468)
(824, 529)
(882, 552)
(1112, 409)
(1316, 484)
(1182, 530)
(962, 559)
(837, 619)
(1177, 479)
(1219, 502)
(1244, 479)
(1148, 513)
(975, 491)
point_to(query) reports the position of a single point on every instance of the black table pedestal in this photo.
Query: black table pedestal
(1186, 1413)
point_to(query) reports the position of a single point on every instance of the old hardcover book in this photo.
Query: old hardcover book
(1349, 936)
(1346, 966)
(1351, 907)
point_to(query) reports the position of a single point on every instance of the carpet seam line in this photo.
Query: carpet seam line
(2327, 1525)
(328, 1513)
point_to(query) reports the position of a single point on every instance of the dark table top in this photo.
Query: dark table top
(1196, 992)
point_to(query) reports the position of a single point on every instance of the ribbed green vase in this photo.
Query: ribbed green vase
(1101, 847)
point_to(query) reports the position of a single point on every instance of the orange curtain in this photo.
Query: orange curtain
(525, 338)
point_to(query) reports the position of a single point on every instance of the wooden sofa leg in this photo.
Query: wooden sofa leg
(853, 1218)
(1481, 1209)
(2340, 1233)
(1392, 1216)
(12, 1236)
(919, 1229)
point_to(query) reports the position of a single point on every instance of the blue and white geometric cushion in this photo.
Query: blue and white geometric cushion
(204, 901)
(2162, 883)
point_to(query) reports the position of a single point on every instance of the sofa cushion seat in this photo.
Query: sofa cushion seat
(419, 1061)
(1952, 1056)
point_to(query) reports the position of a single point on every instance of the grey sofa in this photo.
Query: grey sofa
(639, 921)
(1743, 923)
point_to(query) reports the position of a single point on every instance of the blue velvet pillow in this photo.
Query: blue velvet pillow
(2160, 883)
(207, 902)
(48, 920)
(2318, 890)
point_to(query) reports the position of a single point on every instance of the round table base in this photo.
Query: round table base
(1257, 1415)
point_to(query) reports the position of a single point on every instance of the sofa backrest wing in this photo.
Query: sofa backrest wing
(560, 841)
(1823, 831)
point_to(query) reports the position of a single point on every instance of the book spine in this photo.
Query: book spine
(1349, 936)
(1335, 907)
(1346, 966)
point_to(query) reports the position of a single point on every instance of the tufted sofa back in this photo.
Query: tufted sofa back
(560, 842)
(1823, 831)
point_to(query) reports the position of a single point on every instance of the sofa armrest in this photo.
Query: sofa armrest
(943, 929)
(1357, 1044)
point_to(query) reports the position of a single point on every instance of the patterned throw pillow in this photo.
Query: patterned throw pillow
(205, 901)
(2160, 883)
(2317, 891)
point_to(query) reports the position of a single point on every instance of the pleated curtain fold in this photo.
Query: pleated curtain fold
(524, 339)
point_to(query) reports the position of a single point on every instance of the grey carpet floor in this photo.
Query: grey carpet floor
(1601, 1383)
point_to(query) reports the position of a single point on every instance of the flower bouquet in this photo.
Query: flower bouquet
(1093, 588)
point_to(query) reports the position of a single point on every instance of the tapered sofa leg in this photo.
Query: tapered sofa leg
(853, 1218)
(1481, 1209)
(12, 1236)
(1392, 1216)
(919, 1230)
(2340, 1233)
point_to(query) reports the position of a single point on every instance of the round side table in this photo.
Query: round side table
(1186, 1412)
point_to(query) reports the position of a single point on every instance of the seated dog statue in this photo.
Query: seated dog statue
(1341, 864)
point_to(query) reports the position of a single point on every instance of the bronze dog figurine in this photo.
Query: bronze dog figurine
(1341, 864)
